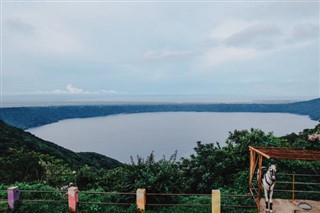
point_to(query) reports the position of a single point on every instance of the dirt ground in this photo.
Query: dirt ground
(289, 206)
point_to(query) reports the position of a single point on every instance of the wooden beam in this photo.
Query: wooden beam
(259, 152)
(287, 153)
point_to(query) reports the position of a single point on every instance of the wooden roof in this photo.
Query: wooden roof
(286, 153)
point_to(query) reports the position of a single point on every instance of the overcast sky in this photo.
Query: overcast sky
(108, 50)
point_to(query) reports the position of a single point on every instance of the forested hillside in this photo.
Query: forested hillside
(24, 157)
(41, 165)
(28, 117)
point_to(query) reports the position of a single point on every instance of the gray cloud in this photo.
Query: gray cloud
(283, 10)
(256, 35)
(17, 25)
(294, 8)
(166, 54)
(304, 32)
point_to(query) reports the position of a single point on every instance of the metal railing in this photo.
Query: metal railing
(292, 184)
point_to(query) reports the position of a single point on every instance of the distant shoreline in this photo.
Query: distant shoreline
(28, 117)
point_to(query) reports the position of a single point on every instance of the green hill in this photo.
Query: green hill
(24, 156)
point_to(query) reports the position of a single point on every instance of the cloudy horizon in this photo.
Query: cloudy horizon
(106, 50)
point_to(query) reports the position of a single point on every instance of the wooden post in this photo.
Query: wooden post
(13, 196)
(73, 198)
(293, 183)
(141, 199)
(259, 182)
(216, 201)
(252, 167)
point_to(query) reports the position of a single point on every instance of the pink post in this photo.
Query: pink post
(73, 198)
(13, 196)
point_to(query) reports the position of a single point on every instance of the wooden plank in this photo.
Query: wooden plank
(286, 153)
(259, 152)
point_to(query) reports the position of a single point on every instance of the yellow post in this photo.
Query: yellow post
(216, 201)
(141, 199)
(293, 182)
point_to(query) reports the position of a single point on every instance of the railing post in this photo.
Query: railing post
(293, 183)
(141, 199)
(13, 196)
(73, 198)
(216, 201)
(259, 182)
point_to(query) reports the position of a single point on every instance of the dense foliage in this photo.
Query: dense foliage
(28, 117)
(210, 167)
(24, 157)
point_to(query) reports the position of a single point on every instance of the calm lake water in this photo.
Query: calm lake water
(125, 135)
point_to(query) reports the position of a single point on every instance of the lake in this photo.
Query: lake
(125, 135)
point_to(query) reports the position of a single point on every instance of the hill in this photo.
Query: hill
(28, 117)
(24, 156)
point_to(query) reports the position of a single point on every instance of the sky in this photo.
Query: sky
(159, 50)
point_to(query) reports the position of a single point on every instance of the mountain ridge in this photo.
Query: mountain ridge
(29, 117)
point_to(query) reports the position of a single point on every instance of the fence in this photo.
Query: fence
(298, 186)
(211, 202)
(293, 186)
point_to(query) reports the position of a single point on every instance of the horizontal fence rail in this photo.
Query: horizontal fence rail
(237, 196)
(177, 194)
(153, 195)
(296, 191)
(176, 204)
(108, 193)
(298, 183)
(305, 175)
(239, 206)
(105, 202)
(49, 201)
